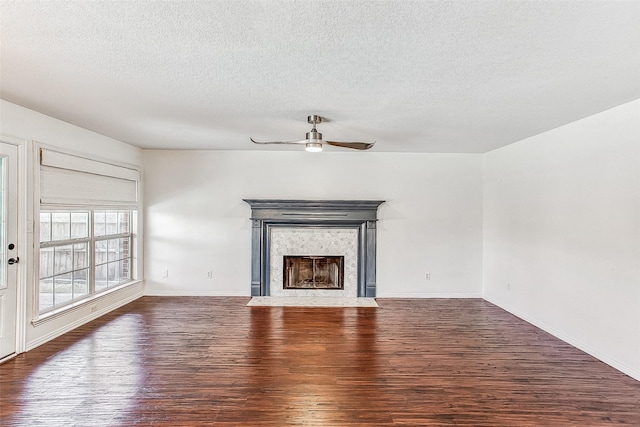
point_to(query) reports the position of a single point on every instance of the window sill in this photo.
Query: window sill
(51, 315)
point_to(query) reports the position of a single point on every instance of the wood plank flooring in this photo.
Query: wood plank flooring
(194, 361)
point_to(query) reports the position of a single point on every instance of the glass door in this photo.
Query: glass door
(8, 248)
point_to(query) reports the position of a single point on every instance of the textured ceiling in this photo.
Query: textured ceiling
(415, 76)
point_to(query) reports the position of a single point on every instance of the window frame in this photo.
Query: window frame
(90, 241)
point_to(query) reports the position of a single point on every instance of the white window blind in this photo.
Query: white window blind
(66, 179)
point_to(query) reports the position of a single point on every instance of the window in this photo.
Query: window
(83, 253)
(88, 217)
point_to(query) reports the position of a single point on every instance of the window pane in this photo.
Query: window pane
(124, 247)
(45, 226)
(46, 262)
(60, 225)
(98, 224)
(123, 271)
(62, 288)
(80, 256)
(123, 222)
(112, 273)
(101, 252)
(101, 277)
(80, 283)
(46, 294)
(63, 261)
(111, 221)
(79, 225)
(113, 250)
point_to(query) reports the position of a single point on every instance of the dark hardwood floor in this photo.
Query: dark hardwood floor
(213, 361)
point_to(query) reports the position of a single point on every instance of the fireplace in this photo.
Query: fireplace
(322, 228)
(313, 272)
(319, 242)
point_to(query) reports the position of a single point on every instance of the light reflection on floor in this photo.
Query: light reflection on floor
(85, 379)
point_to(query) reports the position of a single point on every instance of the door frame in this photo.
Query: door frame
(23, 242)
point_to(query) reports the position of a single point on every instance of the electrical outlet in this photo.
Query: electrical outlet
(427, 276)
(508, 286)
(165, 273)
(94, 308)
(210, 274)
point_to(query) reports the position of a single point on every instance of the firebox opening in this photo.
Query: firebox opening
(313, 272)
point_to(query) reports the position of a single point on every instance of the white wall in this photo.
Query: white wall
(23, 123)
(197, 222)
(28, 126)
(562, 231)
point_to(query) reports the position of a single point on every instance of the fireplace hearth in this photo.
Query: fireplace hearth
(313, 272)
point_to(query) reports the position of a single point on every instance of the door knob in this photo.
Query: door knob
(13, 260)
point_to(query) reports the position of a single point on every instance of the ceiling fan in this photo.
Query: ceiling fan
(313, 142)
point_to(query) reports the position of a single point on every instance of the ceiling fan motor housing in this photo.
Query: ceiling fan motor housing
(314, 136)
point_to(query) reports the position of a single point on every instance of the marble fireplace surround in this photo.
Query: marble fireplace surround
(357, 215)
(314, 241)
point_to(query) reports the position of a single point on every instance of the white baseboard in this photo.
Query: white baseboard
(620, 366)
(172, 293)
(428, 295)
(176, 293)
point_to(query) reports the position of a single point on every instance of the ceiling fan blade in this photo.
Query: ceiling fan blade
(304, 141)
(354, 145)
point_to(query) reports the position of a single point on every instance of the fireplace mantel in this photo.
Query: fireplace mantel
(357, 214)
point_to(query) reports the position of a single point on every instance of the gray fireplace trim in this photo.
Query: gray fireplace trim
(361, 215)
